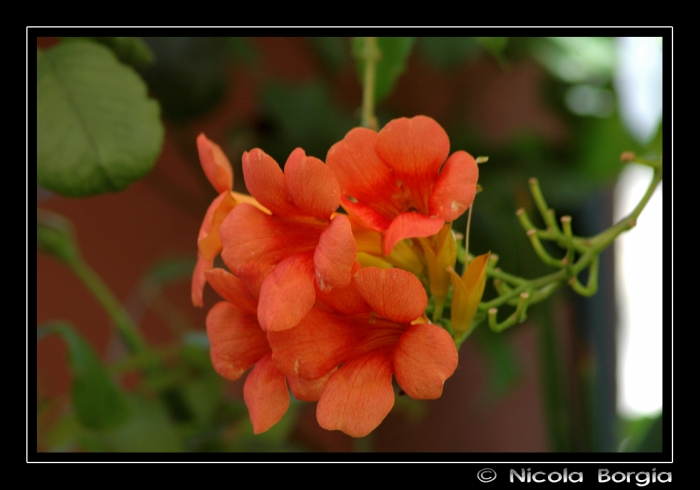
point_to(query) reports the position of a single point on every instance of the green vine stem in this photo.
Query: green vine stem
(370, 55)
(511, 288)
(125, 326)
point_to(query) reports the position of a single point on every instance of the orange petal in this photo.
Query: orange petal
(415, 149)
(199, 280)
(265, 181)
(266, 395)
(347, 300)
(319, 343)
(455, 188)
(210, 238)
(216, 166)
(358, 396)
(232, 290)
(361, 173)
(250, 235)
(424, 358)
(312, 186)
(237, 341)
(334, 256)
(287, 293)
(393, 294)
(365, 215)
(253, 274)
(308, 390)
(409, 225)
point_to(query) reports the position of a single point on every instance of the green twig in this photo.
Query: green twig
(125, 326)
(371, 55)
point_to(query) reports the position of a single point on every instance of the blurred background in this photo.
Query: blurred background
(581, 375)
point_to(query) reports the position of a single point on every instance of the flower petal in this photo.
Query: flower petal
(232, 290)
(358, 396)
(266, 395)
(312, 186)
(265, 181)
(216, 166)
(237, 341)
(250, 235)
(415, 149)
(361, 173)
(393, 294)
(424, 358)
(409, 225)
(455, 188)
(334, 256)
(287, 293)
(308, 390)
(209, 242)
(199, 280)
(253, 274)
(319, 343)
(365, 215)
(346, 300)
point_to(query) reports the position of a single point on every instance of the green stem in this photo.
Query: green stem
(125, 325)
(556, 409)
(371, 55)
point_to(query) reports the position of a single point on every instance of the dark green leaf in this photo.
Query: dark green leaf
(394, 52)
(54, 236)
(97, 401)
(97, 130)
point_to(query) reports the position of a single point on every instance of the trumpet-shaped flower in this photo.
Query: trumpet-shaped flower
(400, 181)
(238, 343)
(367, 330)
(218, 170)
(301, 237)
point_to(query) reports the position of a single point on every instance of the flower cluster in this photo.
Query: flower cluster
(331, 305)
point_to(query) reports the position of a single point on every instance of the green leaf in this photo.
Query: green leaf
(54, 236)
(97, 130)
(97, 401)
(392, 62)
(130, 50)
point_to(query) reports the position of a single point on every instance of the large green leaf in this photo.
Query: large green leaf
(97, 130)
(97, 401)
(394, 52)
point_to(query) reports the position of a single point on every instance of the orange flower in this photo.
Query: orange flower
(299, 238)
(238, 343)
(218, 170)
(399, 181)
(366, 329)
